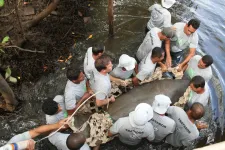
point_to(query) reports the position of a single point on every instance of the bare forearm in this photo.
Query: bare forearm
(102, 102)
(190, 55)
(43, 129)
(167, 48)
(114, 79)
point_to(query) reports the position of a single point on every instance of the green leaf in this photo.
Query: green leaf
(2, 3)
(6, 39)
(8, 72)
(2, 51)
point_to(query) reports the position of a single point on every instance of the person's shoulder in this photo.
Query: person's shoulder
(197, 57)
(149, 126)
(169, 122)
(59, 98)
(179, 24)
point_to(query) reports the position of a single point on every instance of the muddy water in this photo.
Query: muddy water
(131, 17)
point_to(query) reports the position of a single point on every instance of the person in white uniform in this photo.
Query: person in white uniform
(154, 38)
(186, 38)
(185, 132)
(54, 109)
(91, 55)
(124, 70)
(160, 16)
(101, 81)
(148, 64)
(162, 124)
(200, 66)
(74, 141)
(76, 89)
(133, 128)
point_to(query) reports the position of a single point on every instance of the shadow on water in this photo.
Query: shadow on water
(131, 17)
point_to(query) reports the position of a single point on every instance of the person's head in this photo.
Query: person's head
(98, 50)
(157, 54)
(191, 26)
(141, 115)
(161, 104)
(167, 33)
(167, 3)
(75, 75)
(197, 84)
(205, 62)
(103, 64)
(50, 107)
(126, 62)
(75, 141)
(196, 111)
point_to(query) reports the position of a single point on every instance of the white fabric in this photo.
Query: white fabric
(146, 68)
(59, 140)
(127, 62)
(149, 43)
(20, 137)
(181, 41)
(194, 70)
(141, 115)
(51, 119)
(102, 83)
(73, 93)
(168, 3)
(89, 63)
(131, 135)
(118, 72)
(162, 125)
(160, 17)
(201, 98)
(161, 103)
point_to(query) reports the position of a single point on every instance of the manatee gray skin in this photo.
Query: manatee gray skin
(142, 94)
(145, 94)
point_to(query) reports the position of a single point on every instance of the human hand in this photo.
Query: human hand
(123, 83)
(168, 61)
(179, 67)
(90, 91)
(112, 99)
(164, 68)
(30, 144)
(86, 95)
(63, 123)
(201, 125)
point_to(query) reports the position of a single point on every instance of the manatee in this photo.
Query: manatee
(141, 94)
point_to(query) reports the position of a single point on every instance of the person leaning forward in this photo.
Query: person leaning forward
(186, 37)
(100, 82)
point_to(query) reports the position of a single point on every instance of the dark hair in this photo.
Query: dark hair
(207, 60)
(75, 141)
(50, 107)
(195, 23)
(197, 110)
(157, 52)
(73, 73)
(102, 62)
(198, 81)
(98, 49)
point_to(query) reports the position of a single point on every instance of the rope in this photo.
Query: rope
(74, 114)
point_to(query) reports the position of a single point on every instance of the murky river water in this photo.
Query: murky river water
(131, 17)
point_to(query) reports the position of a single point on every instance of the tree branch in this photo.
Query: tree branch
(22, 49)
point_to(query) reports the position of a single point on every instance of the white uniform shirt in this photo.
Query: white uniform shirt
(181, 41)
(160, 17)
(102, 83)
(51, 119)
(20, 137)
(185, 132)
(162, 125)
(146, 68)
(59, 140)
(132, 135)
(201, 98)
(119, 73)
(73, 93)
(150, 42)
(194, 70)
(89, 63)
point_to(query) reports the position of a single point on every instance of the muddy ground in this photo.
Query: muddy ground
(52, 35)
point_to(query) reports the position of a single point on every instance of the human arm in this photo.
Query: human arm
(135, 81)
(89, 90)
(136, 68)
(163, 66)
(168, 56)
(47, 128)
(103, 102)
(186, 60)
(117, 80)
